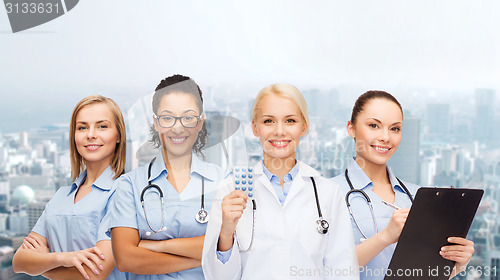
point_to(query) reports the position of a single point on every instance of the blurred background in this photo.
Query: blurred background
(440, 59)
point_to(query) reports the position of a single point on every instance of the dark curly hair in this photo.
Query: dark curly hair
(179, 83)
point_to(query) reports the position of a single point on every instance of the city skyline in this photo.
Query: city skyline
(243, 47)
(440, 59)
(413, 100)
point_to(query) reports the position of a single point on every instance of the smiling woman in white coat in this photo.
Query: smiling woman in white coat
(293, 223)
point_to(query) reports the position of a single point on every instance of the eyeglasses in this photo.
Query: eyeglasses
(168, 121)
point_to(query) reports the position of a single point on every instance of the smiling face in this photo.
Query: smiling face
(96, 134)
(279, 124)
(178, 140)
(377, 132)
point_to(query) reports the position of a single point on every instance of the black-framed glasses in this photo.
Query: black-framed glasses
(168, 121)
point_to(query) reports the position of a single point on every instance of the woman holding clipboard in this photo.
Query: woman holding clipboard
(379, 202)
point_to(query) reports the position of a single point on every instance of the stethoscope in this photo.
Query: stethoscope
(201, 216)
(368, 200)
(322, 225)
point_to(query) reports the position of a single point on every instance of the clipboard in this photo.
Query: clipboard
(436, 214)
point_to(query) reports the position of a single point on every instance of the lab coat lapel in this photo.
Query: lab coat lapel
(301, 180)
(263, 180)
(297, 186)
(267, 184)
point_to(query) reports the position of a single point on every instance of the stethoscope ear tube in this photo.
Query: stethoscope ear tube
(148, 187)
(162, 228)
(254, 208)
(201, 216)
(356, 191)
(368, 200)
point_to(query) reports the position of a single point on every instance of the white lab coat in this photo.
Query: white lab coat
(286, 243)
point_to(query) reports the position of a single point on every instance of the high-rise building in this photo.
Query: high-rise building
(405, 162)
(3, 155)
(494, 263)
(485, 131)
(323, 104)
(427, 171)
(35, 210)
(449, 159)
(18, 222)
(4, 195)
(3, 222)
(438, 119)
(23, 139)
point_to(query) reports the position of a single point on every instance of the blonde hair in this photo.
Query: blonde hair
(119, 157)
(284, 90)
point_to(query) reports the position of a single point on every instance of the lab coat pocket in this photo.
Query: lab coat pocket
(312, 242)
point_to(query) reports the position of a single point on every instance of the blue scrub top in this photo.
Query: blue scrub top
(179, 208)
(70, 226)
(377, 267)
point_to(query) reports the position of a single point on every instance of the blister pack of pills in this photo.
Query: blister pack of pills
(243, 179)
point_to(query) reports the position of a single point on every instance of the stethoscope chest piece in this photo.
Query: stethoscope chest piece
(202, 216)
(322, 226)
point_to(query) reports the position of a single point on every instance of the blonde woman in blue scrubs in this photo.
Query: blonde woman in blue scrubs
(165, 241)
(375, 126)
(69, 240)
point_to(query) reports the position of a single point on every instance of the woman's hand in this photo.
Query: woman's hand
(459, 253)
(371, 247)
(233, 206)
(393, 230)
(33, 242)
(91, 257)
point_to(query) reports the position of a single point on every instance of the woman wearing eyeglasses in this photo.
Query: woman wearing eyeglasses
(162, 240)
(292, 223)
(375, 126)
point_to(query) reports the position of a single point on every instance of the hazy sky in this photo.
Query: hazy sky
(123, 48)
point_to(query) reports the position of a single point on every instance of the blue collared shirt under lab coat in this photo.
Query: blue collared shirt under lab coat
(70, 226)
(377, 267)
(281, 192)
(179, 208)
